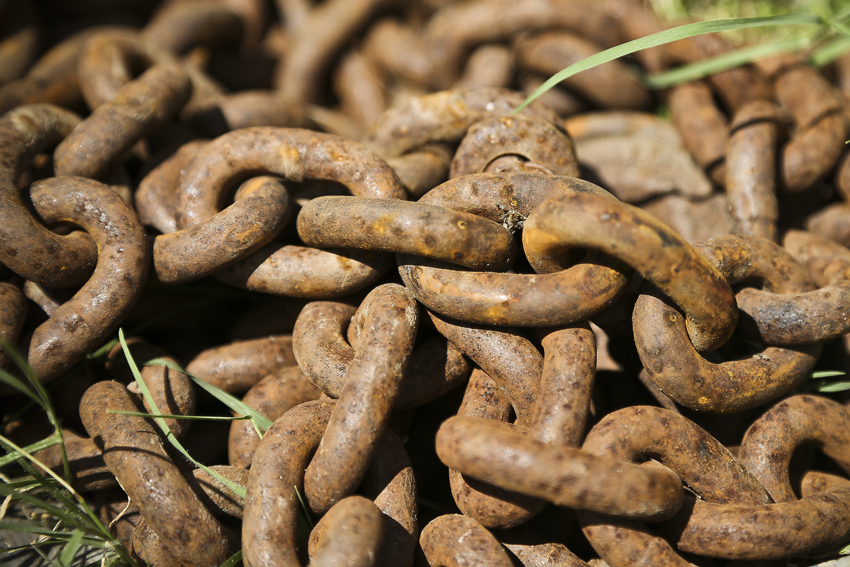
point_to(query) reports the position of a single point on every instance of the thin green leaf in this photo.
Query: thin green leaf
(174, 416)
(304, 509)
(723, 62)
(237, 489)
(828, 53)
(60, 513)
(66, 557)
(45, 402)
(233, 560)
(664, 37)
(234, 403)
(17, 384)
(827, 374)
(832, 387)
(37, 446)
(33, 527)
(56, 492)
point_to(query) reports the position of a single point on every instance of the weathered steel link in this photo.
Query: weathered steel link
(497, 453)
(97, 309)
(291, 153)
(390, 316)
(13, 312)
(52, 79)
(735, 86)
(691, 380)
(215, 495)
(239, 366)
(250, 108)
(456, 29)
(654, 250)
(179, 26)
(608, 86)
(323, 353)
(268, 533)
(828, 263)
(777, 314)
(268, 528)
(351, 533)
(490, 65)
(109, 61)
(324, 29)
(506, 356)
(455, 541)
(134, 453)
(137, 109)
(534, 140)
(156, 196)
(751, 169)
(389, 225)
(19, 39)
(444, 117)
(223, 237)
(820, 125)
(512, 299)
(30, 250)
(771, 441)
(172, 391)
(816, 523)
(422, 170)
(566, 383)
(702, 125)
(705, 466)
(272, 396)
(491, 505)
(309, 273)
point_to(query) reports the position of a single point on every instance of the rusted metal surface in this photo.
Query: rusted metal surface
(325, 100)
(13, 311)
(389, 225)
(607, 86)
(675, 267)
(137, 109)
(97, 309)
(444, 117)
(225, 236)
(272, 397)
(135, 455)
(30, 250)
(533, 140)
(454, 540)
(239, 366)
(389, 316)
(751, 169)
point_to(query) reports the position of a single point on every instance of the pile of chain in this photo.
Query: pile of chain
(587, 329)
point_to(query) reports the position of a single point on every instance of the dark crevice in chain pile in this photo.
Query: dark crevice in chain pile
(581, 334)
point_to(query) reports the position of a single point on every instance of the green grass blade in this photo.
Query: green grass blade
(37, 446)
(237, 489)
(667, 36)
(60, 492)
(723, 62)
(173, 416)
(233, 560)
(66, 557)
(17, 384)
(234, 403)
(827, 374)
(60, 513)
(831, 387)
(828, 53)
